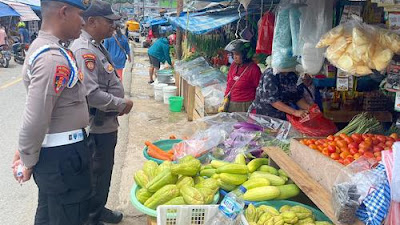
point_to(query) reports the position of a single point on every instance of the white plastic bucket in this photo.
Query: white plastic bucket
(169, 92)
(158, 91)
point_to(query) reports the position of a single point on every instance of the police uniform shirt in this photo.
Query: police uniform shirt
(51, 105)
(99, 73)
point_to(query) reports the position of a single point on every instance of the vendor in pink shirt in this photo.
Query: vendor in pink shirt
(243, 76)
(3, 35)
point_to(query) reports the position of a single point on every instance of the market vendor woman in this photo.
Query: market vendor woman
(243, 76)
(159, 53)
(277, 95)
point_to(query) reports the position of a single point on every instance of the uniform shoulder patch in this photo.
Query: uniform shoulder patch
(90, 61)
(61, 78)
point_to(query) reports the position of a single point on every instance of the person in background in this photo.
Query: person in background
(23, 33)
(277, 95)
(243, 76)
(3, 35)
(309, 92)
(158, 53)
(119, 50)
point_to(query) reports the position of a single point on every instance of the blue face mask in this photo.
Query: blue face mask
(230, 58)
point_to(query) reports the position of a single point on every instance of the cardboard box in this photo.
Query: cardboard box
(321, 168)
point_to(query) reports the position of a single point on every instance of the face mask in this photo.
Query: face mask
(230, 59)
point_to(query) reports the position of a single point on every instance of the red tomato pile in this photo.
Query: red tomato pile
(345, 149)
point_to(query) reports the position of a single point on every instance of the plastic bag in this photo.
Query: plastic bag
(282, 52)
(213, 96)
(358, 48)
(393, 217)
(352, 185)
(265, 33)
(315, 20)
(395, 184)
(315, 124)
(294, 17)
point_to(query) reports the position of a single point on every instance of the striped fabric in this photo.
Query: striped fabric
(393, 218)
(375, 206)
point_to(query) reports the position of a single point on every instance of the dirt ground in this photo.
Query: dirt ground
(148, 120)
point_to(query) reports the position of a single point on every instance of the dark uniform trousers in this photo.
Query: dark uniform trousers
(63, 177)
(103, 149)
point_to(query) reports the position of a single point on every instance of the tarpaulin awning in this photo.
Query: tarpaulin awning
(204, 23)
(6, 10)
(27, 14)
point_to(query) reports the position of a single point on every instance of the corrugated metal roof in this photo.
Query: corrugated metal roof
(27, 14)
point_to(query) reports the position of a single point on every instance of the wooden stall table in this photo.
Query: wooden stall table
(318, 194)
(343, 116)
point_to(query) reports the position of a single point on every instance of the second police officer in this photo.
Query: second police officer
(106, 101)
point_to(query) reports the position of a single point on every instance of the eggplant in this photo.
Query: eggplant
(248, 126)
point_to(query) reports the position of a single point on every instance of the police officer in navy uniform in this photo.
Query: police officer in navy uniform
(52, 140)
(106, 102)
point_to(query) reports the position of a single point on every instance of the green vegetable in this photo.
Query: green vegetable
(176, 201)
(288, 191)
(255, 163)
(261, 193)
(233, 169)
(361, 124)
(268, 169)
(233, 179)
(251, 213)
(253, 183)
(162, 196)
(275, 180)
(240, 159)
(162, 179)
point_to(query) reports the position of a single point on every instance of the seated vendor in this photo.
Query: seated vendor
(309, 92)
(277, 95)
(243, 77)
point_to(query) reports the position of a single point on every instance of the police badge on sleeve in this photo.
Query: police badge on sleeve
(90, 61)
(61, 77)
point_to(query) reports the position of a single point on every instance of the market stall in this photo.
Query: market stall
(306, 169)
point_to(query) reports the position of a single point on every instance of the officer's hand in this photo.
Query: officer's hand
(14, 167)
(16, 156)
(26, 175)
(128, 107)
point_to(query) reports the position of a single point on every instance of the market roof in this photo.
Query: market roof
(26, 13)
(6, 10)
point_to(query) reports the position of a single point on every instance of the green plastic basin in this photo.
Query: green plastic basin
(166, 145)
(151, 212)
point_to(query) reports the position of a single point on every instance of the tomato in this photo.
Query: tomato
(375, 141)
(303, 142)
(357, 155)
(377, 149)
(381, 138)
(331, 149)
(347, 161)
(364, 145)
(353, 151)
(335, 156)
(379, 158)
(312, 141)
(343, 136)
(369, 155)
(353, 145)
(389, 143)
(341, 161)
(362, 151)
(394, 135)
(330, 138)
(357, 138)
(377, 154)
(343, 155)
(391, 139)
(326, 152)
(364, 136)
(319, 142)
(348, 140)
(337, 138)
(320, 148)
(341, 144)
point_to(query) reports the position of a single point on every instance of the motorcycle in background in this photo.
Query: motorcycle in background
(19, 50)
(5, 56)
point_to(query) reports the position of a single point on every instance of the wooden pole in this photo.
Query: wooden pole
(179, 33)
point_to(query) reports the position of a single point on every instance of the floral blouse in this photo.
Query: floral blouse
(274, 88)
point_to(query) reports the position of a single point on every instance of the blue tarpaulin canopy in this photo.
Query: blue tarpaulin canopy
(201, 24)
(6, 10)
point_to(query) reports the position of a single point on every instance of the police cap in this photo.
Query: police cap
(81, 4)
(101, 8)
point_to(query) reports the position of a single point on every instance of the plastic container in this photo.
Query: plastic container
(169, 91)
(158, 91)
(167, 145)
(151, 212)
(164, 76)
(319, 216)
(175, 103)
(185, 214)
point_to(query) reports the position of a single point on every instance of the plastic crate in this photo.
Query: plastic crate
(185, 214)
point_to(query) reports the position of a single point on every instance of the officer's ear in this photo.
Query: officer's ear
(63, 11)
(90, 21)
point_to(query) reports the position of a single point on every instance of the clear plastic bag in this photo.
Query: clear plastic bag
(352, 185)
(395, 184)
(213, 96)
(358, 48)
(316, 20)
